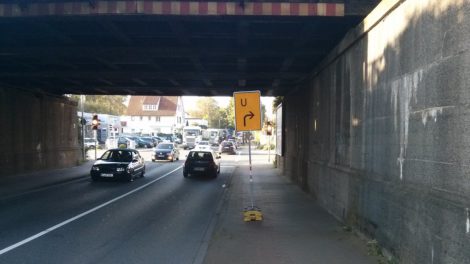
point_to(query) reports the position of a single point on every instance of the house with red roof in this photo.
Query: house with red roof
(150, 115)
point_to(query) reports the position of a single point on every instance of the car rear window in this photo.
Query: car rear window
(196, 155)
(165, 146)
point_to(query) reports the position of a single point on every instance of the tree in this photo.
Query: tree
(207, 109)
(230, 114)
(217, 117)
(103, 104)
(277, 101)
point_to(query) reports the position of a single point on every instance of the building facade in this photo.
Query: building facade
(150, 115)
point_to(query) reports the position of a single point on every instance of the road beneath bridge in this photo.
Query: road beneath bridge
(375, 121)
(64, 217)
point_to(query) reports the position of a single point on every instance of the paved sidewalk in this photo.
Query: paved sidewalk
(12, 185)
(294, 230)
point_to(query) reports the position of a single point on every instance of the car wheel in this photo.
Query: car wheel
(142, 174)
(185, 174)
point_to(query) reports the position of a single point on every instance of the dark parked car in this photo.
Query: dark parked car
(124, 142)
(143, 143)
(154, 141)
(227, 147)
(123, 164)
(166, 151)
(201, 162)
(157, 139)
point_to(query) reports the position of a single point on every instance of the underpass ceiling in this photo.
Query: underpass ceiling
(164, 55)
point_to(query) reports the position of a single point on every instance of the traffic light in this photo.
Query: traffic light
(95, 122)
(269, 128)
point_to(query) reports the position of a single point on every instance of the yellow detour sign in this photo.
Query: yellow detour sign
(247, 110)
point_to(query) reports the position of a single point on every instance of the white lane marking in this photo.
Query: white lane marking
(50, 229)
(238, 156)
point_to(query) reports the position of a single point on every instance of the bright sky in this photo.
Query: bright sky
(190, 102)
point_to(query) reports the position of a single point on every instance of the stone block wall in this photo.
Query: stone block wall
(380, 134)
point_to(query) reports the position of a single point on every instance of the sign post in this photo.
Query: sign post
(248, 118)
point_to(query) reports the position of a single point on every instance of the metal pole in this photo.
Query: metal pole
(269, 148)
(251, 173)
(95, 134)
(82, 99)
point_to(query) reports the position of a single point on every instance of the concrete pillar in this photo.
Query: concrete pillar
(37, 132)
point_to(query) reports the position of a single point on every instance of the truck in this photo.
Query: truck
(214, 136)
(191, 135)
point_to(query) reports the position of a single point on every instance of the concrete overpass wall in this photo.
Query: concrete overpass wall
(37, 132)
(380, 134)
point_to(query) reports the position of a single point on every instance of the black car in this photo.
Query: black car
(154, 141)
(202, 162)
(166, 151)
(123, 164)
(143, 143)
(227, 147)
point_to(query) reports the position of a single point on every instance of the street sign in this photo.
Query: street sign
(247, 110)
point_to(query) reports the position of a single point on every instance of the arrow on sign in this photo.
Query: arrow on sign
(250, 115)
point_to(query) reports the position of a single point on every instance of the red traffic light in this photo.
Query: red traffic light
(269, 128)
(95, 122)
(269, 131)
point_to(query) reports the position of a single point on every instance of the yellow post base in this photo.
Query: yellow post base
(252, 214)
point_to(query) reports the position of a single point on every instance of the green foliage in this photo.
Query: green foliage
(216, 116)
(266, 147)
(230, 114)
(277, 101)
(263, 113)
(103, 104)
(207, 109)
(373, 248)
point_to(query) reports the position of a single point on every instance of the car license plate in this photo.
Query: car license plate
(106, 175)
(198, 169)
(161, 156)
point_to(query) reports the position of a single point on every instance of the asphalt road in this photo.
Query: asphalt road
(161, 218)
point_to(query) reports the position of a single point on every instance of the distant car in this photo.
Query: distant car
(90, 143)
(227, 147)
(143, 143)
(166, 151)
(177, 140)
(124, 142)
(125, 164)
(234, 142)
(203, 144)
(157, 139)
(202, 162)
(151, 139)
